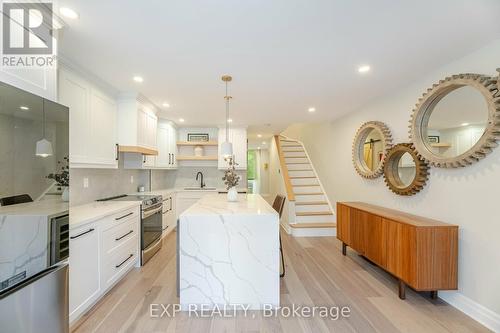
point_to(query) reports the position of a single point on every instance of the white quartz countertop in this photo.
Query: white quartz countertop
(47, 207)
(167, 191)
(217, 204)
(79, 215)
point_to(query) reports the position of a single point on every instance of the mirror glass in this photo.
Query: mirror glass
(406, 170)
(457, 122)
(373, 149)
(31, 146)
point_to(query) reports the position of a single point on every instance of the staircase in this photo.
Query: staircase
(310, 212)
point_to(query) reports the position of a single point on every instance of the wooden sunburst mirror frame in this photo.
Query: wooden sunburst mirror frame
(489, 87)
(391, 174)
(358, 148)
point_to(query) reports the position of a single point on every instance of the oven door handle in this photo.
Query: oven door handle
(148, 213)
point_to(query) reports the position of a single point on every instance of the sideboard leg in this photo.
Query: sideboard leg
(434, 294)
(344, 248)
(402, 289)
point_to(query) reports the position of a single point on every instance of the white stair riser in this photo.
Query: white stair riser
(292, 149)
(290, 144)
(315, 219)
(305, 181)
(306, 189)
(312, 208)
(296, 160)
(314, 232)
(292, 173)
(293, 153)
(292, 167)
(309, 198)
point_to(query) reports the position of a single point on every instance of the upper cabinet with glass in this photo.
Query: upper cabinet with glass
(455, 122)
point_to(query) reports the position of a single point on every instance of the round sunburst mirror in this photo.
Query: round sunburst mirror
(457, 121)
(371, 143)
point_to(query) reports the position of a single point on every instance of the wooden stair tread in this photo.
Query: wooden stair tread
(313, 225)
(313, 213)
(309, 193)
(304, 185)
(310, 203)
(294, 151)
(302, 177)
(296, 156)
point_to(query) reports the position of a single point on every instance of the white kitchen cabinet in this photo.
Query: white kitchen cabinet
(84, 269)
(238, 137)
(185, 199)
(168, 213)
(167, 145)
(101, 253)
(92, 122)
(137, 125)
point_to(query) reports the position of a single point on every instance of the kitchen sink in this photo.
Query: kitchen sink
(194, 188)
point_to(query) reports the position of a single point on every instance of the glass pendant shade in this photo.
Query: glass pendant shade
(227, 149)
(43, 148)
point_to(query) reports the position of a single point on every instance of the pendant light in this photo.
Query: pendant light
(43, 146)
(227, 147)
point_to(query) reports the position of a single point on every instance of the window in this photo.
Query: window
(252, 165)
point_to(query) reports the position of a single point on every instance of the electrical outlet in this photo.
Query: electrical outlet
(131, 179)
(85, 182)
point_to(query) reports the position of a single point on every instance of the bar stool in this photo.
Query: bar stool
(278, 204)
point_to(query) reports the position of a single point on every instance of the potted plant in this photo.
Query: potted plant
(62, 178)
(231, 180)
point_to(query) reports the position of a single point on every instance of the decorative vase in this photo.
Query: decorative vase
(232, 194)
(65, 194)
(198, 151)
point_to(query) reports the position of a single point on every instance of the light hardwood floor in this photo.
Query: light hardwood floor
(316, 274)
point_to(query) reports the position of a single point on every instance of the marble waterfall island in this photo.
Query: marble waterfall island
(229, 253)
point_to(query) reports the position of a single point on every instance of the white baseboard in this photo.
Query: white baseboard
(314, 232)
(473, 309)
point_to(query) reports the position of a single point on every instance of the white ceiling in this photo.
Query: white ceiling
(284, 55)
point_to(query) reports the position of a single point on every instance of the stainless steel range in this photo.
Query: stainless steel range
(151, 222)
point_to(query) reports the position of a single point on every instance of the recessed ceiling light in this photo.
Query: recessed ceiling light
(138, 79)
(181, 120)
(258, 148)
(311, 109)
(364, 68)
(229, 120)
(263, 142)
(465, 124)
(68, 12)
(259, 135)
(22, 107)
(166, 105)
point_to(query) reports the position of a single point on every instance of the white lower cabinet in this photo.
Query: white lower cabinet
(84, 269)
(101, 253)
(168, 213)
(187, 199)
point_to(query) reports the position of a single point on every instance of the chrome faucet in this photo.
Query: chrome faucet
(202, 184)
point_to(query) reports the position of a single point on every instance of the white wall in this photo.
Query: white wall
(467, 197)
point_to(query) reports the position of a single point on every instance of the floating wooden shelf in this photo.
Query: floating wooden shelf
(137, 149)
(197, 158)
(197, 143)
(441, 145)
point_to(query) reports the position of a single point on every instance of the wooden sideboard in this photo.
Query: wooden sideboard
(422, 253)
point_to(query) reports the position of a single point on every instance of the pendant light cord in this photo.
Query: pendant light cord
(43, 115)
(227, 115)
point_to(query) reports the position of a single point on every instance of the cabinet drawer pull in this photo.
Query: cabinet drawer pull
(117, 152)
(124, 216)
(124, 261)
(128, 233)
(83, 233)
